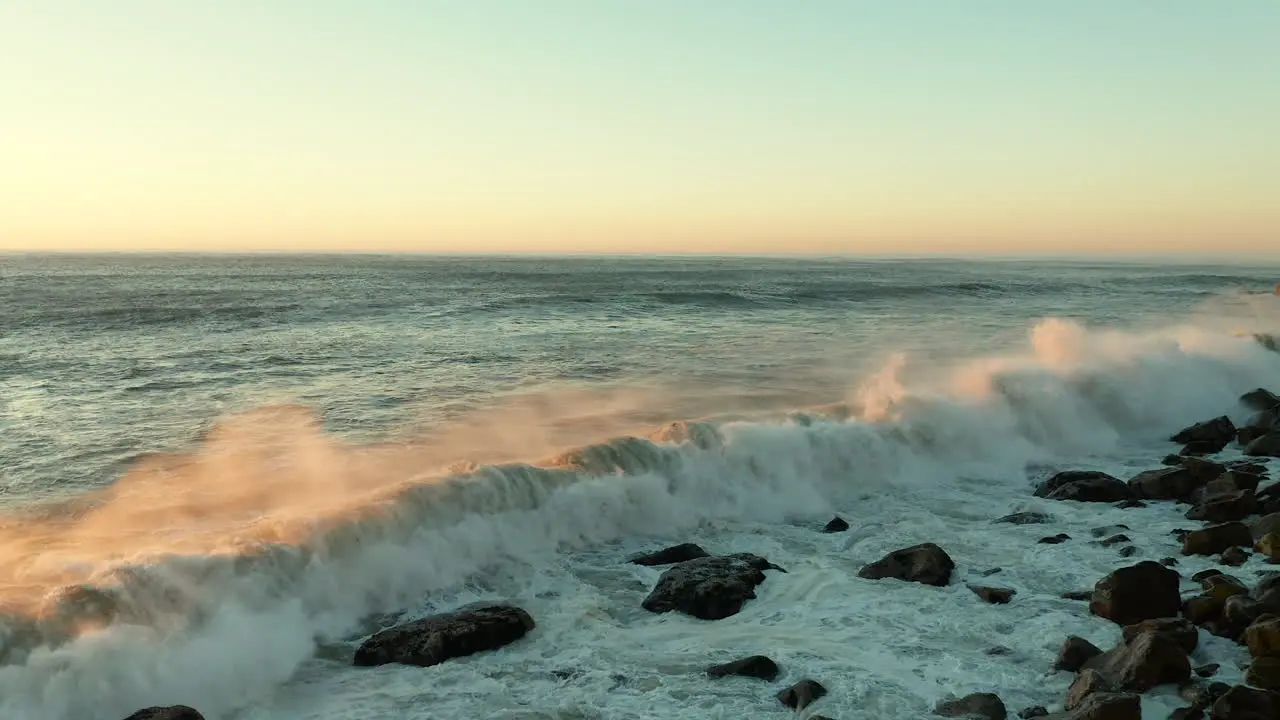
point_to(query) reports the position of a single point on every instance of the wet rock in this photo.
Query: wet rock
(837, 525)
(1079, 595)
(1266, 446)
(172, 712)
(986, 706)
(1025, 518)
(1265, 525)
(1054, 539)
(1148, 660)
(756, 666)
(1233, 480)
(1215, 433)
(1267, 593)
(1105, 706)
(1180, 533)
(991, 571)
(998, 651)
(1063, 479)
(1263, 639)
(1264, 673)
(1246, 703)
(1181, 631)
(1239, 612)
(1203, 575)
(1202, 609)
(1114, 540)
(710, 588)
(671, 555)
(1234, 557)
(1075, 652)
(926, 563)
(1098, 490)
(1187, 713)
(1224, 507)
(1086, 683)
(1223, 586)
(1202, 695)
(1130, 504)
(995, 596)
(1170, 483)
(802, 694)
(1107, 530)
(1169, 562)
(1129, 595)
(1207, 671)
(1128, 551)
(1260, 399)
(433, 640)
(1036, 711)
(1216, 539)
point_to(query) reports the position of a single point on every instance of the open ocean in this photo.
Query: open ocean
(219, 474)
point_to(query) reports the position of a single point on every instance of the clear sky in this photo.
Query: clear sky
(640, 125)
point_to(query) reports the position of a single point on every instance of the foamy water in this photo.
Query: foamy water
(239, 575)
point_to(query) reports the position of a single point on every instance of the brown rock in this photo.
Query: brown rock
(995, 596)
(1265, 525)
(1203, 609)
(1150, 659)
(1216, 432)
(1239, 612)
(1169, 483)
(1063, 479)
(1269, 545)
(926, 563)
(1087, 683)
(1233, 480)
(1216, 539)
(756, 666)
(1181, 631)
(1145, 591)
(1260, 399)
(1264, 673)
(1245, 703)
(1105, 706)
(1265, 446)
(802, 694)
(1075, 652)
(1224, 507)
(438, 638)
(1221, 585)
(1267, 593)
(1263, 638)
(986, 706)
(1234, 557)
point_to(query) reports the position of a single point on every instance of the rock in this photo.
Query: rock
(1150, 659)
(671, 555)
(998, 651)
(995, 596)
(1202, 609)
(1114, 540)
(433, 640)
(991, 571)
(926, 563)
(1169, 562)
(1086, 683)
(986, 706)
(1267, 593)
(1075, 652)
(1062, 479)
(1203, 575)
(1233, 480)
(172, 712)
(1260, 399)
(1224, 507)
(1266, 446)
(1130, 504)
(1055, 539)
(837, 525)
(1170, 483)
(1264, 673)
(1216, 432)
(1171, 460)
(756, 666)
(1187, 713)
(710, 588)
(1263, 639)
(1207, 671)
(1264, 526)
(1216, 539)
(1128, 551)
(1245, 703)
(1105, 706)
(1269, 545)
(1205, 447)
(1025, 518)
(1182, 632)
(1180, 533)
(1234, 557)
(1202, 695)
(1239, 612)
(802, 694)
(1078, 595)
(1035, 711)
(1129, 595)
(1223, 586)
(1098, 489)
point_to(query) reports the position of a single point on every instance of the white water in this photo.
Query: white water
(919, 460)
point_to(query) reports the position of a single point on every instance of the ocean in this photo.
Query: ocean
(218, 474)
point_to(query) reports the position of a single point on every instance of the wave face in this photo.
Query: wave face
(211, 576)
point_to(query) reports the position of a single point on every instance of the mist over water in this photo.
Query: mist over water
(216, 472)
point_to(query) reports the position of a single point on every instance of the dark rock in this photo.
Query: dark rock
(1178, 630)
(1224, 507)
(986, 706)
(1246, 435)
(1260, 399)
(1202, 609)
(1207, 671)
(1266, 446)
(802, 694)
(1234, 557)
(1075, 652)
(1216, 539)
(1239, 612)
(1107, 530)
(1148, 660)
(1264, 673)
(1203, 575)
(998, 651)
(995, 596)
(1098, 489)
(1169, 562)
(756, 666)
(1202, 695)
(1114, 540)
(1033, 712)
(1128, 551)
(1264, 526)
(1130, 504)
(1233, 480)
(1180, 533)
(1055, 539)
(1080, 595)
(1171, 460)
(1170, 483)
(1106, 706)
(1206, 447)
(1025, 518)
(837, 525)
(1245, 703)
(671, 555)
(1129, 595)
(1086, 683)
(1187, 713)
(1218, 430)
(926, 563)
(433, 640)
(172, 712)
(1263, 639)
(1223, 586)
(990, 572)
(710, 588)
(1267, 593)
(1062, 479)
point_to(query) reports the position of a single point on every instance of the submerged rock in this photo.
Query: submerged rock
(433, 640)
(925, 563)
(1129, 595)
(995, 596)
(756, 666)
(1025, 518)
(172, 712)
(710, 588)
(837, 525)
(671, 555)
(986, 706)
(802, 694)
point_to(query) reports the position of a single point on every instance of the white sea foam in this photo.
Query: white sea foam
(233, 630)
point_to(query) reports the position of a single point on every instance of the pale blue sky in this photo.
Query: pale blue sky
(640, 126)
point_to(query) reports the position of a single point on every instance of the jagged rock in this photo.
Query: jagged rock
(1263, 638)
(1265, 446)
(1264, 526)
(1129, 595)
(433, 640)
(1260, 399)
(1217, 432)
(802, 694)
(1078, 595)
(1170, 483)
(1075, 652)
(1062, 479)
(986, 706)
(926, 563)
(1246, 703)
(1233, 480)
(710, 588)
(1025, 518)
(1096, 489)
(1087, 683)
(1216, 539)
(1169, 562)
(172, 712)
(1035, 711)
(1105, 706)
(756, 666)
(995, 596)
(671, 555)
(1264, 673)
(1178, 630)
(1224, 507)
(1207, 671)
(837, 525)
(1150, 659)
(1234, 557)
(1054, 539)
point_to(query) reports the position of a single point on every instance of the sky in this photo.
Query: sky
(831, 126)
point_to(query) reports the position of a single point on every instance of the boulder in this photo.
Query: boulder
(1207, 671)
(1265, 446)
(1025, 518)
(1267, 593)
(710, 588)
(1075, 652)
(836, 525)
(1224, 507)
(756, 666)
(1217, 432)
(1234, 557)
(1105, 706)
(172, 712)
(1264, 673)
(995, 596)
(1102, 489)
(433, 640)
(802, 694)
(1260, 399)
(1263, 639)
(1170, 483)
(1181, 631)
(1246, 703)
(926, 563)
(1149, 660)
(983, 706)
(1062, 479)
(1035, 711)
(1223, 586)
(1129, 595)
(1054, 539)
(1238, 613)
(1087, 683)
(1216, 539)
(1269, 545)
(671, 555)
(1233, 480)
(1115, 540)
(1264, 526)
(1203, 609)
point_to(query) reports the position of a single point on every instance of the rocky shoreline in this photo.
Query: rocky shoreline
(1160, 616)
